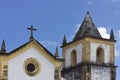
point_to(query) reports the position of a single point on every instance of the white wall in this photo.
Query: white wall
(93, 49)
(16, 71)
(78, 49)
(100, 73)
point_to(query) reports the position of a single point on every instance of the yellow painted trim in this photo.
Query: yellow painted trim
(85, 42)
(37, 67)
(73, 58)
(35, 45)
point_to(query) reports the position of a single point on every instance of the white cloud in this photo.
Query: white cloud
(103, 32)
(49, 43)
(76, 29)
(117, 47)
(117, 37)
(117, 53)
(118, 33)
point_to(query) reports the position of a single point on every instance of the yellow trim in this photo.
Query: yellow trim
(57, 63)
(73, 58)
(37, 67)
(35, 45)
(100, 56)
(85, 42)
(3, 62)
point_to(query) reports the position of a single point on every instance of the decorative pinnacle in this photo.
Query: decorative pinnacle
(31, 32)
(56, 52)
(3, 47)
(87, 12)
(112, 35)
(64, 40)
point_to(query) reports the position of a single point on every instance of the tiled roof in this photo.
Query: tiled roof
(87, 28)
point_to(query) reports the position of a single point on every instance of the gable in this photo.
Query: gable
(34, 54)
(30, 56)
(36, 45)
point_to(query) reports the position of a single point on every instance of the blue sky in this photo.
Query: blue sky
(54, 18)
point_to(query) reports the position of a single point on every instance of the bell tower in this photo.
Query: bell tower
(89, 56)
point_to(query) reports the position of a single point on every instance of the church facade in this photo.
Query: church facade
(30, 61)
(87, 57)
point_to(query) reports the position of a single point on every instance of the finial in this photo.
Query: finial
(56, 53)
(3, 47)
(64, 40)
(112, 35)
(88, 12)
(31, 32)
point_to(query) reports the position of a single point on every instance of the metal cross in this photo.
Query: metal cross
(31, 32)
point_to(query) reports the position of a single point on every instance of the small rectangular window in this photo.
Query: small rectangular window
(5, 67)
(5, 73)
(56, 74)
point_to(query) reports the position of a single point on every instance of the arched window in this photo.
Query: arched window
(100, 56)
(73, 58)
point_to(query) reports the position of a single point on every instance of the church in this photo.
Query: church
(87, 57)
